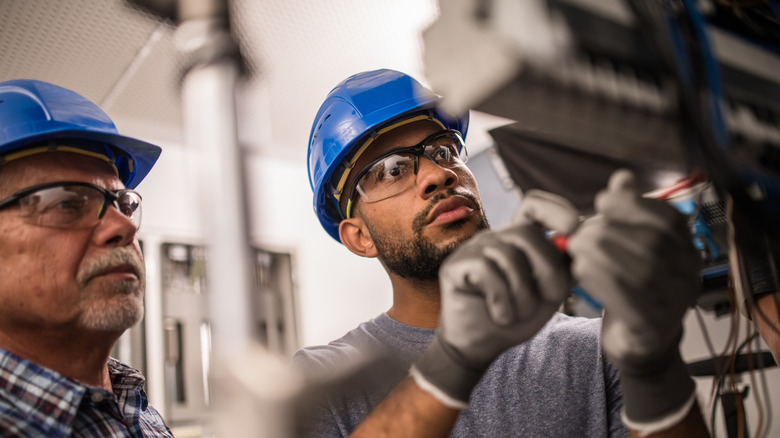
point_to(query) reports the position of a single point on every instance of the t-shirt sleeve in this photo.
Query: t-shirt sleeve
(313, 416)
(614, 399)
(317, 421)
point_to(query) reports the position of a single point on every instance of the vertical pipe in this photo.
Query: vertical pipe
(153, 303)
(251, 388)
(210, 121)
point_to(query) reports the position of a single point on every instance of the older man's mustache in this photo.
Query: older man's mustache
(117, 258)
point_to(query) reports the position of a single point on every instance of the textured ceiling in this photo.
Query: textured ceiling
(89, 46)
(126, 60)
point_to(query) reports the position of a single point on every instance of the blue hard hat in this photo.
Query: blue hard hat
(37, 116)
(355, 109)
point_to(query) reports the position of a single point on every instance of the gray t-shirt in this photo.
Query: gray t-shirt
(558, 384)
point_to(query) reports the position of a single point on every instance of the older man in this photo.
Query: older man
(71, 267)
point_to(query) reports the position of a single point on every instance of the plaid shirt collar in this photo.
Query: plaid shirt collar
(36, 399)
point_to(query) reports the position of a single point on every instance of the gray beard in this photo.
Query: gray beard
(119, 314)
(421, 259)
(121, 307)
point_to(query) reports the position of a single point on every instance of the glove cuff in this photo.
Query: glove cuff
(651, 398)
(659, 425)
(440, 372)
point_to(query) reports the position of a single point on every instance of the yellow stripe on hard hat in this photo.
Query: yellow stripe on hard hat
(364, 146)
(54, 148)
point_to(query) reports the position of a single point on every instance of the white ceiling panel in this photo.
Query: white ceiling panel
(126, 60)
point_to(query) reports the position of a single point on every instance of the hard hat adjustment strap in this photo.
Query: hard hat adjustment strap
(51, 146)
(373, 135)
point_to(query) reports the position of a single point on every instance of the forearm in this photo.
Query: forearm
(409, 412)
(691, 426)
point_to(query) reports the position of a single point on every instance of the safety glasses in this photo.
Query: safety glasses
(72, 204)
(396, 171)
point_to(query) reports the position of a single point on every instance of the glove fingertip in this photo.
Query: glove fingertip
(622, 180)
(620, 190)
(550, 210)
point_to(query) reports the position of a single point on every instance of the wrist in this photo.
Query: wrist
(651, 397)
(669, 421)
(442, 372)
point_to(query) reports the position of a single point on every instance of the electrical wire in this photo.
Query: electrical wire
(742, 285)
(677, 30)
(722, 363)
(746, 16)
(754, 336)
(739, 268)
(776, 286)
(767, 400)
(766, 9)
(752, 376)
(712, 75)
(757, 310)
(727, 369)
(716, 361)
(705, 333)
(773, 17)
(737, 262)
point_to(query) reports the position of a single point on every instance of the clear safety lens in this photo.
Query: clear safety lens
(77, 205)
(395, 172)
(391, 175)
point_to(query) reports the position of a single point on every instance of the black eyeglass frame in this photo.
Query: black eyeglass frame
(416, 150)
(110, 196)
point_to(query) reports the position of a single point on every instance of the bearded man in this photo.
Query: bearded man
(473, 344)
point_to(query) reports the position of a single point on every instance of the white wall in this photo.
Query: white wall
(336, 290)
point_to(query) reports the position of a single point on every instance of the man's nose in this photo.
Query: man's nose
(431, 177)
(114, 228)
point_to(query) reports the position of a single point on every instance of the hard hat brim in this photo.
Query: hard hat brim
(143, 154)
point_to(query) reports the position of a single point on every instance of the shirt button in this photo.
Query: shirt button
(97, 397)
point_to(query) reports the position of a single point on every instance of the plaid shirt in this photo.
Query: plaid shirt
(39, 402)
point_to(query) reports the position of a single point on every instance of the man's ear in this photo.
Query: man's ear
(354, 235)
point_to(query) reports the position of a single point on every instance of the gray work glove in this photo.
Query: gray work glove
(497, 290)
(636, 256)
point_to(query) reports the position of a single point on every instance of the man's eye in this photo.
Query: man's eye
(444, 154)
(69, 204)
(65, 209)
(394, 170)
(391, 169)
(61, 202)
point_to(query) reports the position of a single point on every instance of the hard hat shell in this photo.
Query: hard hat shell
(33, 112)
(357, 107)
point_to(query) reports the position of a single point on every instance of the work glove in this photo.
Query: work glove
(497, 291)
(636, 256)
